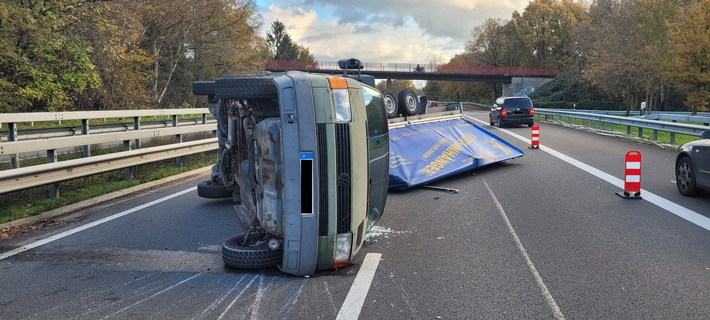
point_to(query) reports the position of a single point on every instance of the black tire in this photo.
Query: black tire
(685, 178)
(408, 102)
(530, 125)
(245, 88)
(490, 119)
(499, 123)
(203, 88)
(237, 256)
(211, 190)
(390, 103)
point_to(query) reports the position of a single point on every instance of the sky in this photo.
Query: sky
(384, 31)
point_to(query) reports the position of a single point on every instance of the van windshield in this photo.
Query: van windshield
(517, 103)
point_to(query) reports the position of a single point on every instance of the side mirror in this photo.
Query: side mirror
(705, 134)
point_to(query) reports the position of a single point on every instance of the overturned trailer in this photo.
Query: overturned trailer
(307, 158)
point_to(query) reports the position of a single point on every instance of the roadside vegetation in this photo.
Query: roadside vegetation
(612, 54)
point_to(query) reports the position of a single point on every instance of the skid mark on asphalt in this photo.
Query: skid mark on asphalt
(220, 299)
(234, 301)
(153, 295)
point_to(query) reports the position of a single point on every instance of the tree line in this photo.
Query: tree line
(612, 52)
(62, 55)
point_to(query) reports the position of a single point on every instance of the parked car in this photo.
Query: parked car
(692, 166)
(512, 110)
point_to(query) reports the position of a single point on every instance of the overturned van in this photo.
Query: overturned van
(305, 158)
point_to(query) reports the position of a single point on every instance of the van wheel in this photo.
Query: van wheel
(245, 88)
(408, 102)
(390, 103)
(212, 190)
(203, 88)
(685, 178)
(238, 256)
(499, 124)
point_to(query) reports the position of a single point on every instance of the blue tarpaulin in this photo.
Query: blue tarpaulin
(426, 152)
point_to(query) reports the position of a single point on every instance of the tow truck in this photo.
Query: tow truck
(308, 160)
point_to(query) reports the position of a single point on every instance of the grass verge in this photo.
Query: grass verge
(660, 136)
(34, 201)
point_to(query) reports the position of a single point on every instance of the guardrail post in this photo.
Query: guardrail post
(628, 129)
(204, 118)
(655, 135)
(85, 131)
(640, 132)
(12, 136)
(54, 187)
(137, 126)
(178, 139)
(128, 171)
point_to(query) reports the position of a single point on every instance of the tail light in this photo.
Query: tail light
(532, 111)
(504, 113)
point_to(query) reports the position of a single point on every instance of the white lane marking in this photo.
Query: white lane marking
(358, 292)
(538, 279)
(90, 225)
(676, 209)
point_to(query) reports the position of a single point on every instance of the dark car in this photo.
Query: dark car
(512, 110)
(692, 166)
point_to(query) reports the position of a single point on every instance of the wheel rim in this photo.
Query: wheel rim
(389, 105)
(684, 176)
(411, 103)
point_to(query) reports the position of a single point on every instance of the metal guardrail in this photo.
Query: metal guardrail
(44, 174)
(630, 122)
(54, 172)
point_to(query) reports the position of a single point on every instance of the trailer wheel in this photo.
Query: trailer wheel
(238, 256)
(408, 102)
(212, 190)
(390, 103)
(245, 88)
(203, 88)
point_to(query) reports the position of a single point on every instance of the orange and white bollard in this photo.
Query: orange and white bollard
(535, 138)
(632, 176)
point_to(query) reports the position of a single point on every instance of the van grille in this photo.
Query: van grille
(322, 180)
(343, 176)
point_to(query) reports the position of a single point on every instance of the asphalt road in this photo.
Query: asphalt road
(533, 238)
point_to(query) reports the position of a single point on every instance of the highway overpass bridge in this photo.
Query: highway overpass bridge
(513, 78)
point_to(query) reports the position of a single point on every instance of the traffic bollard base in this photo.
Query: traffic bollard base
(627, 195)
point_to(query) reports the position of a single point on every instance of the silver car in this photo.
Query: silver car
(692, 166)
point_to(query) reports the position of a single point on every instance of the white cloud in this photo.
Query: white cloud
(403, 31)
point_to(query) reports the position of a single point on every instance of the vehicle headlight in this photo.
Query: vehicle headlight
(341, 99)
(342, 105)
(343, 243)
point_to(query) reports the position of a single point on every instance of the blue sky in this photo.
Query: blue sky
(401, 31)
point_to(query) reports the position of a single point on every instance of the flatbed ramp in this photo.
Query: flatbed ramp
(430, 150)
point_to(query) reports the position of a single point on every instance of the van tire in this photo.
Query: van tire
(390, 102)
(203, 88)
(245, 88)
(237, 256)
(212, 190)
(408, 102)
